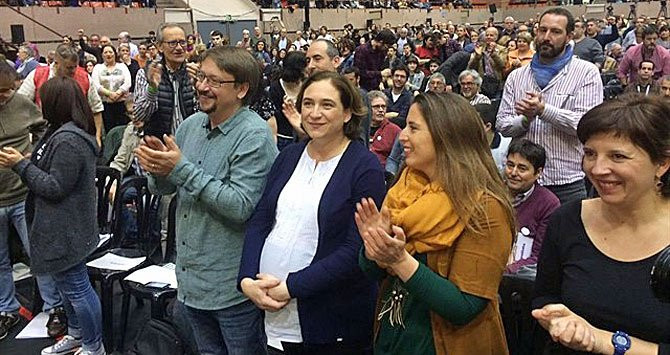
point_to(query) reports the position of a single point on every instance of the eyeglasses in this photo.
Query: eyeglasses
(173, 44)
(212, 83)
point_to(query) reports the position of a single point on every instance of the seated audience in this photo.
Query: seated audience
(470, 83)
(532, 203)
(644, 84)
(382, 131)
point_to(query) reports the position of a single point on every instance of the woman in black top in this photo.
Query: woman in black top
(592, 284)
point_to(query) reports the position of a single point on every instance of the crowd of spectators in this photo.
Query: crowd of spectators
(81, 3)
(433, 159)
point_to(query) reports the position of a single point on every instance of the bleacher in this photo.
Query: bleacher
(77, 3)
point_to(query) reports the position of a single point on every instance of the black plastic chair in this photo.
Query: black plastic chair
(145, 205)
(107, 180)
(159, 297)
(521, 329)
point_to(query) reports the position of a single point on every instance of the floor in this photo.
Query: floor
(11, 346)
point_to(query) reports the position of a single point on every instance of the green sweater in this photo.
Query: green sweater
(19, 118)
(424, 292)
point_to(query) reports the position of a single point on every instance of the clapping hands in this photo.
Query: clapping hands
(568, 328)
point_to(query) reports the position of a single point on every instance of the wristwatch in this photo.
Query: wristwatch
(621, 342)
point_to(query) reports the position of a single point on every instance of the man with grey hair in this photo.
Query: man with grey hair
(508, 32)
(66, 63)
(437, 83)
(470, 82)
(402, 37)
(382, 131)
(124, 37)
(299, 40)
(28, 62)
(164, 92)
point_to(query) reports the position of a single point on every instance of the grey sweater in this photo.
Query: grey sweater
(61, 204)
(589, 50)
(19, 118)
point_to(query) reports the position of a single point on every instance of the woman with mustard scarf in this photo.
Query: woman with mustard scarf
(440, 243)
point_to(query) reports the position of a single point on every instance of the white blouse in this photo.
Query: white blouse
(292, 243)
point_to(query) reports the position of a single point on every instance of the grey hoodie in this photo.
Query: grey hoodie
(61, 203)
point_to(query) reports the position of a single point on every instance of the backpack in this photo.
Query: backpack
(157, 337)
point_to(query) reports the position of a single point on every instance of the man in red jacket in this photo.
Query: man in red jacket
(66, 64)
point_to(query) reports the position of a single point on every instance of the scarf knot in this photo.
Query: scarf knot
(543, 73)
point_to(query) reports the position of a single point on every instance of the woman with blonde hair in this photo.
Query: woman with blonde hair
(442, 238)
(522, 55)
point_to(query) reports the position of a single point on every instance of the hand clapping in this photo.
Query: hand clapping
(9, 157)
(566, 327)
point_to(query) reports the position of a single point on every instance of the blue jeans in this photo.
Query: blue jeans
(82, 306)
(236, 330)
(16, 215)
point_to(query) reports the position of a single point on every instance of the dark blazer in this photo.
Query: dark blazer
(61, 204)
(336, 302)
(401, 106)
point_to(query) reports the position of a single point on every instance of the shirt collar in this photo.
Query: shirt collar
(228, 125)
(522, 197)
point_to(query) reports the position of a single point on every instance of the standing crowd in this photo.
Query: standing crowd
(361, 192)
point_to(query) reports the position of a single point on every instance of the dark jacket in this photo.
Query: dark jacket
(369, 62)
(401, 106)
(160, 121)
(61, 203)
(335, 299)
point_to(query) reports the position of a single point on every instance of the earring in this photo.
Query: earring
(659, 183)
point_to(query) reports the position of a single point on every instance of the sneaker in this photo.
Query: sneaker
(57, 324)
(67, 345)
(100, 351)
(7, 321)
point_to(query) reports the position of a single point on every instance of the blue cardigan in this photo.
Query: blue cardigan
(336, 302)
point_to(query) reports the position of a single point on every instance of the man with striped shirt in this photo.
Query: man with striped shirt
(544, 101)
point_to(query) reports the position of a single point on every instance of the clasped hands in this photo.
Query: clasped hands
(531, 106)
(156, 157)
(266, 292)
(571, 330)
(384, 243)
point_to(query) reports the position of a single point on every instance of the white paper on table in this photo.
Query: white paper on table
(103, 239)
(37, 328)
(115, 262)
(154, 273)
(524, 245)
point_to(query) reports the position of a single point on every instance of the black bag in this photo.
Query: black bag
(157, 337)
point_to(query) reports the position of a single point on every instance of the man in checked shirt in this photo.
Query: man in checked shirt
(544, 101)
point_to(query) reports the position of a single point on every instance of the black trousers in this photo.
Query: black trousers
(322, 349)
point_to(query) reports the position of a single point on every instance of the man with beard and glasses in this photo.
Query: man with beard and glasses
(544, 101)
(164, 92)
(648, 50)
(217, 164)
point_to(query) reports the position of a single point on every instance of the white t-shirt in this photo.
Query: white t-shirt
(292, 243)
(111, 79)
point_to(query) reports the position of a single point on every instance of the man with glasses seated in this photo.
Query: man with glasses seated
(164, 92)
(470, 82)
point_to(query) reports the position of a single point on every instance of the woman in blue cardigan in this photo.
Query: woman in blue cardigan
(299, 261)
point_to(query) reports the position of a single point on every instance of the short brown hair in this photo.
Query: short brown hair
(350, 97)
(641, 119)
(239, 63)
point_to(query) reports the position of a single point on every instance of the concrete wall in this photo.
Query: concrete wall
(218, 9)
(66, 21)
